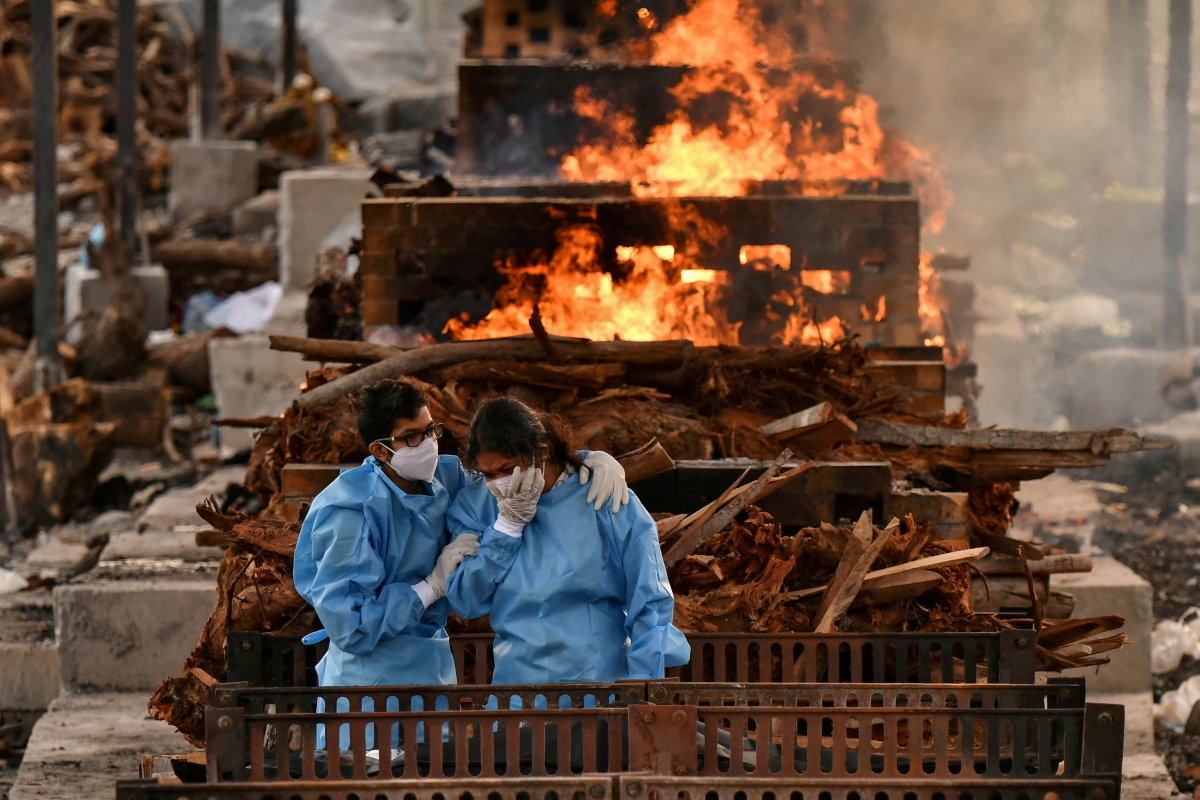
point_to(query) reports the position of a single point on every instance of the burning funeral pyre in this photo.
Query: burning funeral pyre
(724, 282)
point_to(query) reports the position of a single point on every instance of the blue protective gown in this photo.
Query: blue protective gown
(361, 547)
(582, 596)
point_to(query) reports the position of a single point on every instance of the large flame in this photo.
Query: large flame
(731, 65)
(654, 299)
(660, 293)
(736, 123)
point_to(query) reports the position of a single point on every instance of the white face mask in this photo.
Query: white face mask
(502, 485)
(415, 463)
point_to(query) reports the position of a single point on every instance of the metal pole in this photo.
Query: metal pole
(210, 71)
(48, 367)
(127, 160)
(287, 45)
(1176, 319)
(1138, 112)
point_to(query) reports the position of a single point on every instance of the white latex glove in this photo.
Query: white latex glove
(608, 480)
(520, 503)
(465, 544)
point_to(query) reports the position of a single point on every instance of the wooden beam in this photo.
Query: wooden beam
(1099, 443)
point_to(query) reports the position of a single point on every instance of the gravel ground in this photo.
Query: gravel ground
(1154, 528)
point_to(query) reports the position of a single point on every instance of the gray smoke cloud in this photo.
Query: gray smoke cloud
(1032, 109)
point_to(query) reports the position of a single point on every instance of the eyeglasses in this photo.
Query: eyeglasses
(413, 439)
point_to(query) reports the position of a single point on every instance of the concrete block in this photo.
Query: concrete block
(211, 176)
(160, 545)
(1119, 387)
(127, 635)
(175, 510)
(86, 742)
(86, 292)
(29, 676)
(312, 204)
(1113, 588)
(251, 380)
(257, 214)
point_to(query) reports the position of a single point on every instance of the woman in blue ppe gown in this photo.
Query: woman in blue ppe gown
(575, 594)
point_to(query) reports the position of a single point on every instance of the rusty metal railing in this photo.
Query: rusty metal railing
(1002, 657)
(1056, 693)
(749, 741)
(583, 787)
(434, 744)
(654, 787)
(634, 787)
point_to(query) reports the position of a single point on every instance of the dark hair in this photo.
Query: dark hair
(381, 404)
(507, 426)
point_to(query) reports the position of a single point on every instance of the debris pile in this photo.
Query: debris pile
(87, 31)
(254, 593)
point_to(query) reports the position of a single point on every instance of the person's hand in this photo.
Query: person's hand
(465, 544)
(608, 480)
(519, 504)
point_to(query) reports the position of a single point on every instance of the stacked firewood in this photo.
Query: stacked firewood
(87, 56)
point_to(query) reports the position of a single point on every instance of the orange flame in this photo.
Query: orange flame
(578, 298)
(825, 281)
(733, 61)
(931, 303)
(658, 293)
(766, 257)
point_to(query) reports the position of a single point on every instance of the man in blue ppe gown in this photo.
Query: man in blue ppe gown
(575, 594)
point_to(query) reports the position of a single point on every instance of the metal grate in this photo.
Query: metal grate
(632, 787)
(304, 700)
(435, 744)
(584, 787)
(1004, 657)
(763, 741)
(1056, 693)
(651, 787)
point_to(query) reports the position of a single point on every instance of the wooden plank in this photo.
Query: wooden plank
(139, 409)
(930, 562)
(801, 420)
(1098, 443)
(900, 587)
(997, 564)
(847, 582)
(813, 429)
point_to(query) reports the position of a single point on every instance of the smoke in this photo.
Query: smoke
(1050, 140)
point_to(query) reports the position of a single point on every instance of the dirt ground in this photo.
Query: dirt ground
(1154, 528)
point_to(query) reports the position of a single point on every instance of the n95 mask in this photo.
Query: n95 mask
(416, 463)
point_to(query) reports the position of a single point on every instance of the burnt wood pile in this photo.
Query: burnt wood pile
(843, 502)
